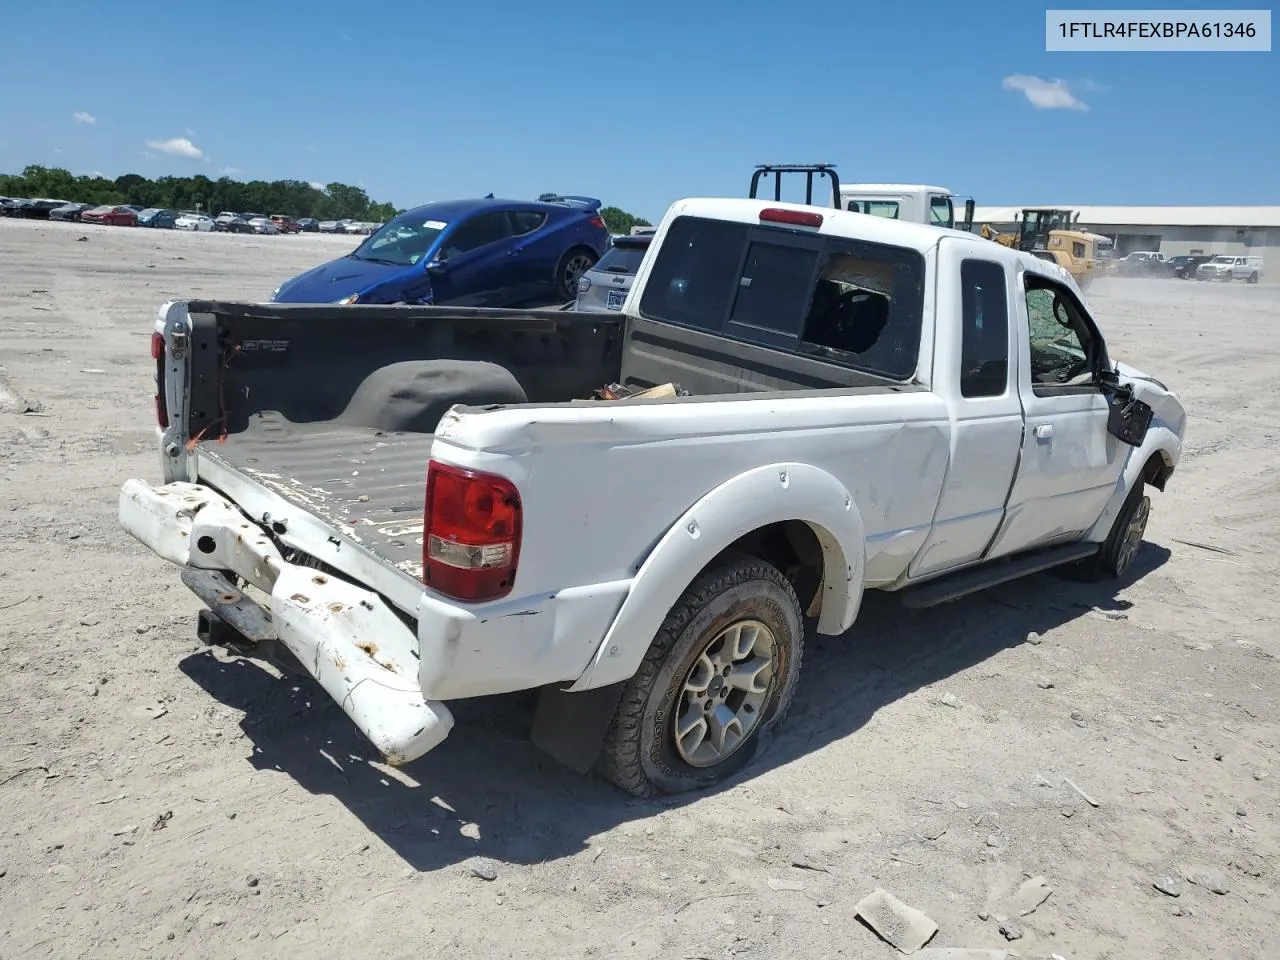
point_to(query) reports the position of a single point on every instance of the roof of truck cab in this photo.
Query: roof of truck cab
(902, 233)
(891, 188)
(858, 226)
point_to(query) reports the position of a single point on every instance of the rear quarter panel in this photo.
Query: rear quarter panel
(601, 483)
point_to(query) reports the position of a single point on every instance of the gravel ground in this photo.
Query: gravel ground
(164, 801)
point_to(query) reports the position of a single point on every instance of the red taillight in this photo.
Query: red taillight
(157, 354)
(598, 223)
(470, 533)
(798, 218)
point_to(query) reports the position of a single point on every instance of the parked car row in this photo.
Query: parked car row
(346, 226)
(1200, 266)
(163, 218)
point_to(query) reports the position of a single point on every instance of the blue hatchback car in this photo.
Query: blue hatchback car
(478, 253)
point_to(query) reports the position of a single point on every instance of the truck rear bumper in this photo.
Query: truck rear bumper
(346, 637)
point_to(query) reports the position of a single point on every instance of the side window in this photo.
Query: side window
(876, 208)
(942, 212)
(526, 221)
(1077, 249)
(984, 341)
(1061, 344)
(477, 232)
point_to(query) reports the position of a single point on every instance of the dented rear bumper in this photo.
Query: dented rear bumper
(363, 655)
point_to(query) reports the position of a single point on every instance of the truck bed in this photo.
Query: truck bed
(334, 409)
(367, 484)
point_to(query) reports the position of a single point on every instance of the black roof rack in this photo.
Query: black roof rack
(810, 170)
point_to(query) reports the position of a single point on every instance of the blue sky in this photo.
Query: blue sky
(638, 104)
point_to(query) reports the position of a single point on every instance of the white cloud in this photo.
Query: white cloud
(95, 173)
(1045, 94)
(229, 171)
(81, 117)
(177, 147)
(190, 132)
(316, 185)
(57, 149)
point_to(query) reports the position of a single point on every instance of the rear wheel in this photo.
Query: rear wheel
(570, 270)
(1253, 277)
(718, 677)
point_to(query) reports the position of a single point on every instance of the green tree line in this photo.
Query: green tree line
(294, 198)
(619, 221)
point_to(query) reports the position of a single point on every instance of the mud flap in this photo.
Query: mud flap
(570, 727)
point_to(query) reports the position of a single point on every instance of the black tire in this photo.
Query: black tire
(1117, 553)
(640, 754)
(1253, 277)
(570, 269)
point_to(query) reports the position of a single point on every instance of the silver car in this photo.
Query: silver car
(604, 287)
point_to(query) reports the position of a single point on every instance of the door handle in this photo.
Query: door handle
(1044, 431)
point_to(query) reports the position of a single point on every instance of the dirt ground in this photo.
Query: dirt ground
(163, 801)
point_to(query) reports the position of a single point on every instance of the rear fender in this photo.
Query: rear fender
(747, 502)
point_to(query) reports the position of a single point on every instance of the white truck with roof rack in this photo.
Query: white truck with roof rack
(415, 505)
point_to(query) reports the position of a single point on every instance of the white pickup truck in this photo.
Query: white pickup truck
(424, 503)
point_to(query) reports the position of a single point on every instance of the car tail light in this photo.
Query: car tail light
(798, 218)
(471, 533)
(598, 223)
(157, 354)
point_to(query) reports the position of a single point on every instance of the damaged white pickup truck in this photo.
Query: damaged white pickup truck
(423, 504)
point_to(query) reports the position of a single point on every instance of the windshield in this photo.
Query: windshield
(104, 209)
(402, 242)
(149, 212)
(624, 258)
(1222, 259)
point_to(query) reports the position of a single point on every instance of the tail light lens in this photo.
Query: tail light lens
(157, 354)
(598, 223)
(471, 533)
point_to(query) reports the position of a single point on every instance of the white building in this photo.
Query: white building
(1253, 231)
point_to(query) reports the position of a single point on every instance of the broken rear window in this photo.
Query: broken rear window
(850, 302)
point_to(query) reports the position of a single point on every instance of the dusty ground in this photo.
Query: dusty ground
(163, 802)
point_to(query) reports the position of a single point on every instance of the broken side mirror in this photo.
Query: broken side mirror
(1128, 418)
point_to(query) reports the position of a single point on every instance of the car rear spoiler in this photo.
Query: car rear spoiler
(591, 203)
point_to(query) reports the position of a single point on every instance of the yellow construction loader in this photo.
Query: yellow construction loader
(1052, 235)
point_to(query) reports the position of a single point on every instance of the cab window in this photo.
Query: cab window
(984, 338)
(876, 208)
